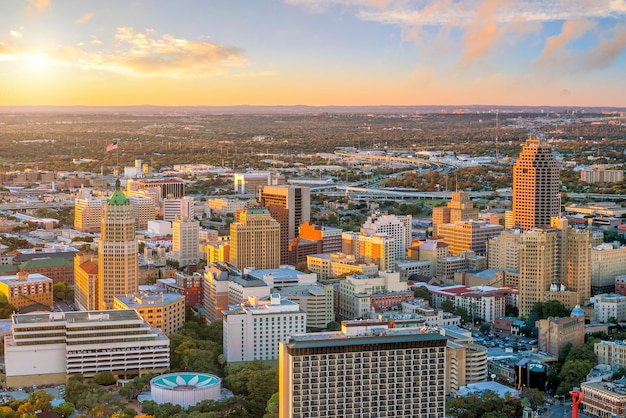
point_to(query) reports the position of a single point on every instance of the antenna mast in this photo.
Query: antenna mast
(497, 131)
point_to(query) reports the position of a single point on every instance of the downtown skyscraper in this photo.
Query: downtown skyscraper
(536, 198)
(117, 251)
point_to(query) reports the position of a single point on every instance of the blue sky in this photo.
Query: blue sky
(317, 52)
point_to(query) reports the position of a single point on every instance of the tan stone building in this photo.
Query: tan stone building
(555, 333)
(460, 208)
(117, 251)
(255, 240)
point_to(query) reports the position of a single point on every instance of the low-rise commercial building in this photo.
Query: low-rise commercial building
(48, 348)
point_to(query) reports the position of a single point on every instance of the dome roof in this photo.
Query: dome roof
(577, 312)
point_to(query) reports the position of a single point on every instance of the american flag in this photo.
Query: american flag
(112, 146)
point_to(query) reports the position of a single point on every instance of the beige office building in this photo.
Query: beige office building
(88, 214)
(468, 236)
(255, 240)
(460, 208)
(503, 250)
(536, 197)
(185, 241)
(117, 251)
(363, 371)
(538, 266)
(379, 249)
(607, 262)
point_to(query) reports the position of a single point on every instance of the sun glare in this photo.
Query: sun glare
(37, 63)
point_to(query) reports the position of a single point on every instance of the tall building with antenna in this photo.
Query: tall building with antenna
(536, 197)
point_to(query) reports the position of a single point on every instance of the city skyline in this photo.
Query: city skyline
(313, 52)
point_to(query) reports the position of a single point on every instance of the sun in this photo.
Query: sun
(37, 63)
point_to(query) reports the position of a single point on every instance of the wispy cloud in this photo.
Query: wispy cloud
(475, 30)
(15, 34)
(86, 17)
(36, 6)
(138, 54)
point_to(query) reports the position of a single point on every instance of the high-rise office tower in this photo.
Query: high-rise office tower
(117, 251)
(536, 197)
(297, 202)
(539, 266)
(185, 241)
(255, 240)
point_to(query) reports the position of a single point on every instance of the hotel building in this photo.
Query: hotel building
(253, 330)
(364, 371)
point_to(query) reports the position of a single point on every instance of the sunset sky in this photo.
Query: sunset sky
(313, 52)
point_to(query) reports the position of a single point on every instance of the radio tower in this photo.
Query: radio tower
(497, 131)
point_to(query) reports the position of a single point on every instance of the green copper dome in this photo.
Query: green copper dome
(118, 198)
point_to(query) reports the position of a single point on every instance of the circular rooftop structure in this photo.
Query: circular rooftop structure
(185, 388)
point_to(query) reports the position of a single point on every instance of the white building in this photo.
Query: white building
(610, 306)
(252, 331)
(46, 348)
(184, 206)
(398, 227)
(484, 302)
(430, 316)
(160, 228)
(283, 277)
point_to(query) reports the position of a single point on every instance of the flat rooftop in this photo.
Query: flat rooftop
(82, 316)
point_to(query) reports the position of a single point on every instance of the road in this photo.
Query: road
(562, 411)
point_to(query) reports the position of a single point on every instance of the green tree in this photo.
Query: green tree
(572, 373)
(271, 410)
(333, 326)
(423, 293)
(65, 409)
(535, 397)
(485, 328)
(105, 378)
(255, 380)
(447, 306)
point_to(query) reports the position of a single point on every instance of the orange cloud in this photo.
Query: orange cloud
(37, 6)
(570, 31)
(86, 17)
